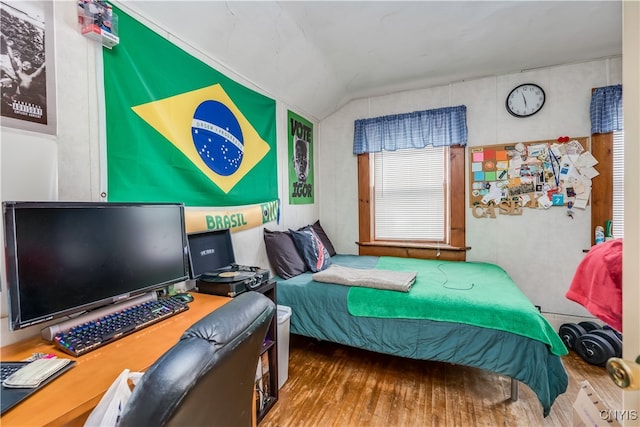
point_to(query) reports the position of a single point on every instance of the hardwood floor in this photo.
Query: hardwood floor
(335, 385)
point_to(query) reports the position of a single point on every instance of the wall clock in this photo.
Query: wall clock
(525, 100)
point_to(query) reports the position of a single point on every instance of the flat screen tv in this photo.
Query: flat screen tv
(65, 258)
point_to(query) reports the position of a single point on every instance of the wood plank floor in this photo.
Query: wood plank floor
(335, 385)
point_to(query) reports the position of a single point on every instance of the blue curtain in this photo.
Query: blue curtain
(442, 126)
(606, 109)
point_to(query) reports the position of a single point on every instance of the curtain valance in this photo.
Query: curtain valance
(437, 127)
(606, 109)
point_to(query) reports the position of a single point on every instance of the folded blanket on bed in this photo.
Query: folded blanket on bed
(474, 293)
(369, 278)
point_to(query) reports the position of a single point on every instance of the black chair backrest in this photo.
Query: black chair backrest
(208, 377)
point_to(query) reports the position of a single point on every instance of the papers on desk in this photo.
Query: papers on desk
(35, 373)
(20, 384)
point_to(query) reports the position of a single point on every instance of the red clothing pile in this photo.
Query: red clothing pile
(597, 283)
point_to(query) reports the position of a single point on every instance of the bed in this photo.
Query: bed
(463, 313)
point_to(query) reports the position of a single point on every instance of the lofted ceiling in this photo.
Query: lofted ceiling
(319, 55)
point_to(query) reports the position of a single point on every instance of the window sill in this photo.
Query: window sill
(413, 245)
(413, 250)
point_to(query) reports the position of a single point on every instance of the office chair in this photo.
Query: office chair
(208, 377)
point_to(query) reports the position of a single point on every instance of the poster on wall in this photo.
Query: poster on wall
(27, 66)
(300, 133)
(180, 131)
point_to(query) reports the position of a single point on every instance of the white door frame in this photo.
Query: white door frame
(631, 247)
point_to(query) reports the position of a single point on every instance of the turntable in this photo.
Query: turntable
(226, 276)
(230, 273)
(212, 265)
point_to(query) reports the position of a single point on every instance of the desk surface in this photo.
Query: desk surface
(71, 397)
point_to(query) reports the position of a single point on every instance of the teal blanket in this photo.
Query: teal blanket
(472, 293)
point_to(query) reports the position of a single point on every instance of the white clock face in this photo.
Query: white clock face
(525, 100)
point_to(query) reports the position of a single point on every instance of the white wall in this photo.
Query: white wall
(540, 249)
(68, 166)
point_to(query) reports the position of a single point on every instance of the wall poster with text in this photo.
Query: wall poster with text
(27, 69)
(300, 133)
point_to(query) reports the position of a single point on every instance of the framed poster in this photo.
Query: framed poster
(300, 133)
(27, 69)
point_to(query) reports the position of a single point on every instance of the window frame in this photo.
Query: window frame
(454, 251)
(407, 155)
(601, 185)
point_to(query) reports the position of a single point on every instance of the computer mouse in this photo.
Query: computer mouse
(184, 297)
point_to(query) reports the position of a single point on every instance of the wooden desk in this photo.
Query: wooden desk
(69, 399)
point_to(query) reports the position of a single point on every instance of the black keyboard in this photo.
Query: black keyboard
(8, 368)
(91, 335)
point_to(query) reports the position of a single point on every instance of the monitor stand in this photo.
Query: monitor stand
(51, 331)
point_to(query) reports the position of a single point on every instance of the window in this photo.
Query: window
(618, 184)
(412, 203)
(607, 146)
(607, 193)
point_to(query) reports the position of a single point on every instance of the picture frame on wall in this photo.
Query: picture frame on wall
(27, 68)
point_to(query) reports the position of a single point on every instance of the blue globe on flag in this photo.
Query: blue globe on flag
(217, 137)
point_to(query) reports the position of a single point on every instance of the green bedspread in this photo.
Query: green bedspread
(473, 293)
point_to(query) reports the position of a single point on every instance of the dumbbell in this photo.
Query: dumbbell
(570, 332)
(599, 345)
(616, 333)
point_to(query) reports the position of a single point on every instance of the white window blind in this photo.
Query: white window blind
(618, 184)
(411, 202)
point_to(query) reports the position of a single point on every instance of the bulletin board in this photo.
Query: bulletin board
(534, 174)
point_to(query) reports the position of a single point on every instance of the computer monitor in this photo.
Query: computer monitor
(65, 258)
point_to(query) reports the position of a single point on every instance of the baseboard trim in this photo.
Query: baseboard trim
(558, 320)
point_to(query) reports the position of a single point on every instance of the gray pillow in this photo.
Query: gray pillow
(283, 254)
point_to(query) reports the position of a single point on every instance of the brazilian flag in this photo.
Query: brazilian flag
(180, 131)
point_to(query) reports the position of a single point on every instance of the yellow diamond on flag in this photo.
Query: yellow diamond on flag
(208, 128)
